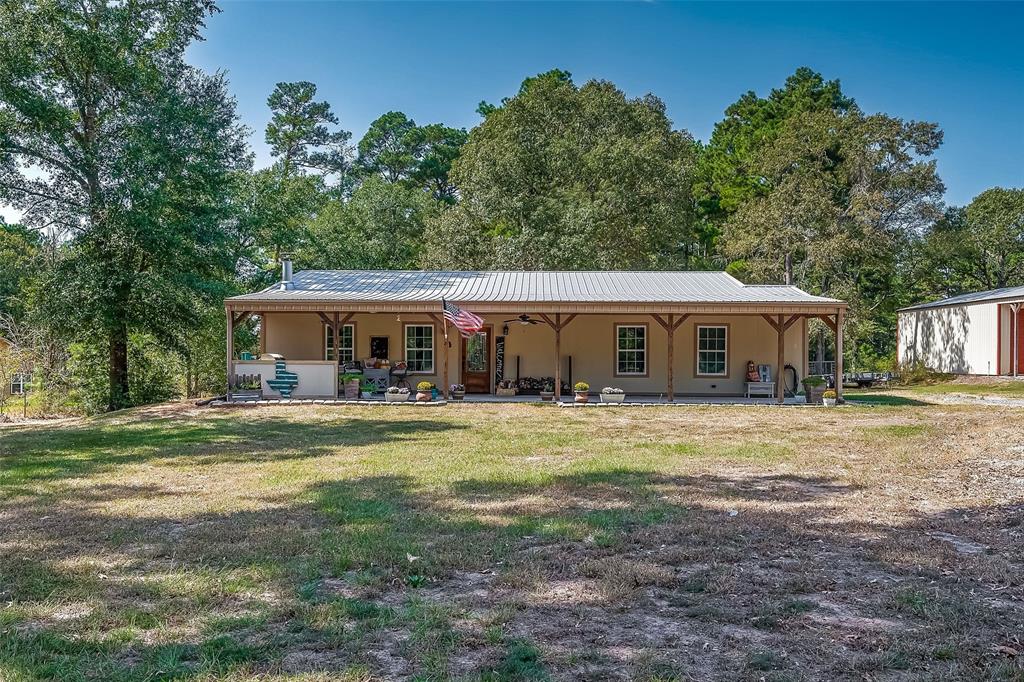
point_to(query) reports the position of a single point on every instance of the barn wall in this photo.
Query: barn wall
(952, 339)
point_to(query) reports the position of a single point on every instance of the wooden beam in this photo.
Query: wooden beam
(780, 380)
(444, 357)
(549, 322)
(670, 329)
(323, 318)
(347, 318)
(660, 320)
(557, 326)
(839, 355)
(240, 318)
(769, 320)
(230, 348)
(682, 318)
(790, 321)
(827, 320)
(567, 321)
(263, 334)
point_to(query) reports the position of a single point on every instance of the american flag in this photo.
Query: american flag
(467, 322)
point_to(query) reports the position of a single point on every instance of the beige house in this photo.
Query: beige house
(662, 334)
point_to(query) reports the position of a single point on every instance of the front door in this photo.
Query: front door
(476, 362)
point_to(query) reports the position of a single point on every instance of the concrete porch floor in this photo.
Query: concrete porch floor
(567, 401)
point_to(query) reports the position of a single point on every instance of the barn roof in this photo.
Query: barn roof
(991, 296)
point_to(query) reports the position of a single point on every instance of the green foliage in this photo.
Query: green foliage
(569, 177)
(154, 375)
(424, 386)
(298, 132)
(19, 253)
(581, 386)
(390, 147)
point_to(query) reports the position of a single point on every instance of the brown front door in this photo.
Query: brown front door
(476, 362)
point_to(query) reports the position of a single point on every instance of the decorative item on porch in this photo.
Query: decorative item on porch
(610, 394)
(814, 388)
(548, 392)
(424, 392)
(506, 388)
(350, 385)
(582, 390)
(396, 395)
(247, 387)
(367, 388)
(828, 398)
(457, 391)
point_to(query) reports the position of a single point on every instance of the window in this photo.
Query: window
(347, 346)
(630, 349)
(17, 384)
(712, 351)
(419, 347)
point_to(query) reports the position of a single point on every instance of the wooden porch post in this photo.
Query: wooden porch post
(780, 380)
(230, 345)
(839, 355)
(263, 333)
(444, 360)
(670, 328)
(558, 356)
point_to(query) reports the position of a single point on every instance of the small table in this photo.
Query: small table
(765, 388)
(380, 377)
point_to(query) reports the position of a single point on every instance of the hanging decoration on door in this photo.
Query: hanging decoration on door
(499, 359)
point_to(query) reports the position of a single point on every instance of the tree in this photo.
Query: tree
(379, 227)
(391, 147)
(298, 132)
(438, 146)
(133, 150)
(567, 176)
(19, 252)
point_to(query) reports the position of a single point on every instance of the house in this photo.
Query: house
(974, 333)
(17, 383)
(649, 333)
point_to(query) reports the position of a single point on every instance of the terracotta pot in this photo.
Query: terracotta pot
(424, 396)
(582, 397)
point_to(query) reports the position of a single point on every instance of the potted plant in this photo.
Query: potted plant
(610, 394)
(582, 390)
(368, 388)
(396, 395)
(548, 392)
(814, 387)
(506, 387)
(248, 387)
(828, 398)
(457, 391)
(350, 385)
(424, 392)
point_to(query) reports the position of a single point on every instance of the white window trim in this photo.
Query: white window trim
(433, 345)
(724, 351)
(621, 350)
(347, 324)
(20, 380)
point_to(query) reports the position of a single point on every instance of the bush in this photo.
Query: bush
(919, 373)
(151, 373)
(829, 394)
(813, 382)
(581, 386)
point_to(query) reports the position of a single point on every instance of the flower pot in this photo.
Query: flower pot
(458, 395)
(352, 390)
(505, 391)
(613, 397)
(367, 395)
(423, 396)
(547, 395)
(396, 397)
(829, 402)
(582, 397)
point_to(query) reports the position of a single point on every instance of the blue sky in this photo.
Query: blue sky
(960, 65)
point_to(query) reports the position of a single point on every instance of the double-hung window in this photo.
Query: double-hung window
(419, 348)
(17, 384)
(712, 350)
(630, 349)
(346, 351)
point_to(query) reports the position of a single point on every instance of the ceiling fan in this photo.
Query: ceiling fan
(523, 319)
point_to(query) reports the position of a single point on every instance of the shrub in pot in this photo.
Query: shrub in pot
(396, 394)
(457, 391)
(548, 392)
(367, 389)
(610, 394)
(582, 390)
(814, 387)
(424, 392)
(828, 398)
(350, 385)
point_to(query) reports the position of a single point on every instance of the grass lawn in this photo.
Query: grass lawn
(514, 542)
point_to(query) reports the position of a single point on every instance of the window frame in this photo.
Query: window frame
(645, 350)
(327, 332)
(433, 347)
(20, 379)
(697, 351)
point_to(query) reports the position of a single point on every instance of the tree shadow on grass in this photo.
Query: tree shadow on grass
(883, 400)
(32, 456)
(590, 564)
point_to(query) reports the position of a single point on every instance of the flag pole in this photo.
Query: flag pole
(444, 322)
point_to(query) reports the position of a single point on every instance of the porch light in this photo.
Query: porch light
(504, 330)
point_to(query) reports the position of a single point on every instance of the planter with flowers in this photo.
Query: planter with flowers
(582, 391)
(610, 394)
(457, 391)
(506, 388)
(396, 394)
(367, 389)
(828, 398)
(424, 392)
(548, 392)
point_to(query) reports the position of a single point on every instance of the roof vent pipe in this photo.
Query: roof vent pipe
(286, 271)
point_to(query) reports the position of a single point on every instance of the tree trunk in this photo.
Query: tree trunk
(118, 340)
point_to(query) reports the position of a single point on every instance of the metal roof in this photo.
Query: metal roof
(526, 287)
(992, 295)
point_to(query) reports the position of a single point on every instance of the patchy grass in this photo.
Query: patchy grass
(510, 542)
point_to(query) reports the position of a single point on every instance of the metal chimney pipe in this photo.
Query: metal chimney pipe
(286, 271)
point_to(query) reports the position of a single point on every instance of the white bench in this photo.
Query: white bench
(762, 388)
